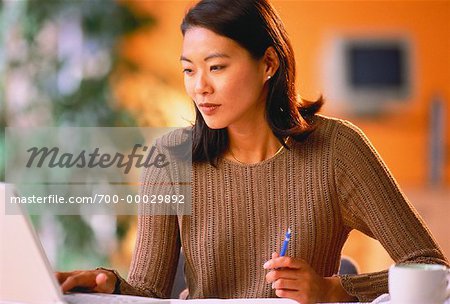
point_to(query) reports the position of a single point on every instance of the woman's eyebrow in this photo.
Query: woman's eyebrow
(182, 58)
(214, 55)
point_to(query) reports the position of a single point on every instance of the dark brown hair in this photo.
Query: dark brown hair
(255, 25)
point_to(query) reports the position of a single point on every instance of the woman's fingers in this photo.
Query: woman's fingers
(291, 284)
(276, 274)
(294, 279)
(280, 262)
(299, 288)
(104, 283)
(85, 279)
(89, 280)
(62, 276)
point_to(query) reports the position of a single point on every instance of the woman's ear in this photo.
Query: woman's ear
(271, 62)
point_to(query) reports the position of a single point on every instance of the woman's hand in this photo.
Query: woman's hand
(98, 280)
(295, 279)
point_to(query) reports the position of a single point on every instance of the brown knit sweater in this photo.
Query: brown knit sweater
(321, 188)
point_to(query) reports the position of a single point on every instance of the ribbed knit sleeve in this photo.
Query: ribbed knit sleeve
(155, 258)
(154, 262)
(372, 202)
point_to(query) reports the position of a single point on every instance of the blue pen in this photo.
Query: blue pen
(285, 243)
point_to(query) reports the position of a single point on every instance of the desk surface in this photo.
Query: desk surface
(142, 300)
(383, 299)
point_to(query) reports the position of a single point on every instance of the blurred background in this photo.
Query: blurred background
(384, 65)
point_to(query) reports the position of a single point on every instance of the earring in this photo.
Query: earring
(268, 77)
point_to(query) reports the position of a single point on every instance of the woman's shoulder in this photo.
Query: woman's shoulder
(333, 122)
(335, 127)
(344, 138)
(175, 137)
(331, 134)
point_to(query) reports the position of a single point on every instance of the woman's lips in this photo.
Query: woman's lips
(208, 108)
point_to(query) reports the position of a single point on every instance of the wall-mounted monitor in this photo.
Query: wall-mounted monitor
(366, 75)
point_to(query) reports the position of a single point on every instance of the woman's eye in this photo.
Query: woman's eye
(187, 71)
(216, 68)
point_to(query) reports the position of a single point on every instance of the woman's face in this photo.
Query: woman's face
(225, 82)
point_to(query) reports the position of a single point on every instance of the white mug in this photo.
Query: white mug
(419, 283)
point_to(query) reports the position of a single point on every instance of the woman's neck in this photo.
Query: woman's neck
(252, 145)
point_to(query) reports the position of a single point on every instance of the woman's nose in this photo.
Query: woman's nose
(202, 84)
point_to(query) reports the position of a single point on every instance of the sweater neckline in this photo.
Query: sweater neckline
(261, 163)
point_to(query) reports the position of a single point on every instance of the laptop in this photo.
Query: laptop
(25, 272)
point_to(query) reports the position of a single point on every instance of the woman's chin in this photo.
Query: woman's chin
(215, 125)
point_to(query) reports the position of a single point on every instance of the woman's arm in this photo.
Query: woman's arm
(157, 249)
(372, 202)
(155, 257)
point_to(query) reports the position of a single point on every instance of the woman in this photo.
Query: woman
(263, 162)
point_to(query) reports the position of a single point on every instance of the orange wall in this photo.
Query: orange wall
(401, 137)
